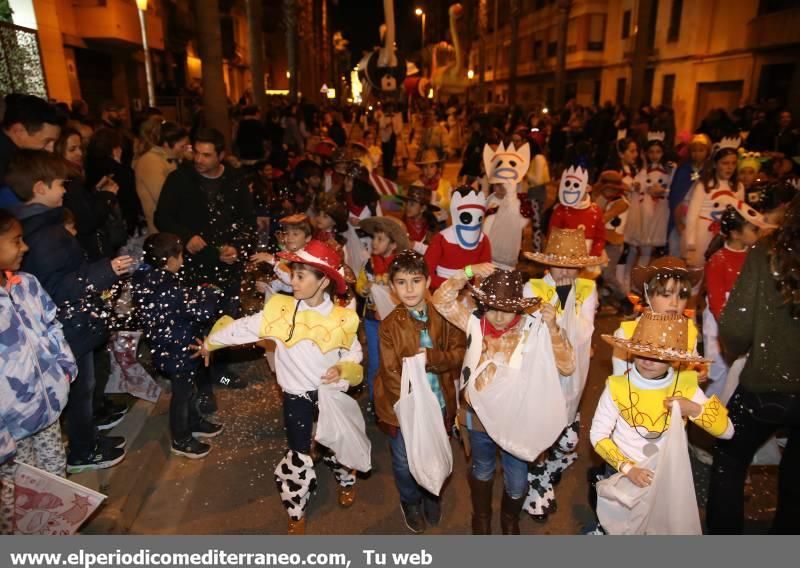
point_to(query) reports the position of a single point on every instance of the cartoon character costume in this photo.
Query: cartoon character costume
(576, 305)
(309, 341)
(462, 243)
(575, 210)
(505, 224)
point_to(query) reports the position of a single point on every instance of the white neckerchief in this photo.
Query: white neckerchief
(649, 384)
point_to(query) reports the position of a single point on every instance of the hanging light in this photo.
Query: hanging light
(470, 74)
(142, 5)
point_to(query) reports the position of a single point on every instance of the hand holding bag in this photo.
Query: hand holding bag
(341, 427)
(428, 450)
(668, 506)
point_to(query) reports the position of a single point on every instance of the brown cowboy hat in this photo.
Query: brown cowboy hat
(565, 248)
(502, 290)
(658, 336)
(664, 267)
(420, 193)
(296, 219)
(429, 156)
(393, 227)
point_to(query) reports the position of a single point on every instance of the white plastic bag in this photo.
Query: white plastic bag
(668, 506)
(127, 375)
(341, 427)
(429, 454)
(383, 299)
(523, 408)
(579, 332)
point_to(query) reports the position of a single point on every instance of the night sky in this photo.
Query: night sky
(360, 20)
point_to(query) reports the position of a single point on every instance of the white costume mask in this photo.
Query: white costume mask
(506, 165)
(467, 209)
(572, 190)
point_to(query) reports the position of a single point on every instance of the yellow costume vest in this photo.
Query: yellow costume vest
(543, 290)
(644, 409)
(334, 331)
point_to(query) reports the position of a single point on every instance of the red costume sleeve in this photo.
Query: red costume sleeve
(432, 256)
(598, 231)
(715, 283)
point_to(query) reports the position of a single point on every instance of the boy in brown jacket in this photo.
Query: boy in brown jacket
(411, 327)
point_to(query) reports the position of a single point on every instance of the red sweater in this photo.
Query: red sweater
(589, 219)
(722, 270)
(444, 257)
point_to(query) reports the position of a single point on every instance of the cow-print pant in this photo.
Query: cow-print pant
(295, 475)
(541, 499)
(44, 450)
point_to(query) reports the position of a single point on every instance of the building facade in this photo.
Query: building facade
(701, 55)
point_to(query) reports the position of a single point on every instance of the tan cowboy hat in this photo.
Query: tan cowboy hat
(393, 227)
(658, 336)
(502, 291)
(420, 193)
(665, 267)
(429, 156)
(565, 248)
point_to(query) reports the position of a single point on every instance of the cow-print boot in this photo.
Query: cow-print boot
(346, 478)
(544, 475)
(296, 480)
(481, 492)
(509, 514)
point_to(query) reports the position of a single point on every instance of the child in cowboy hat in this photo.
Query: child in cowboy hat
(610, 195)
(501, 322)
(633, 411)
(575, 301)
(666, 285)
(295, 233)
(316, 343)
(430, 165)
(419, 216)
(389, 237)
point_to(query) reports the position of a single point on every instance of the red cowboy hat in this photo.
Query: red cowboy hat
(322, 257)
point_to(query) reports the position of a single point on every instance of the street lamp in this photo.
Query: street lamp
(470, 74)
(141, 6)
(421, 13)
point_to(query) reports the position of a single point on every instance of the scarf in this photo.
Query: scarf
(432, 183)
(491, 331)
(426, 342)
(417, 228)
(380, 264)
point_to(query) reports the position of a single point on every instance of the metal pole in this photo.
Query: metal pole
(423, 30)
(148, 69)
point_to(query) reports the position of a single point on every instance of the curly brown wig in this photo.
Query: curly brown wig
(784, 258)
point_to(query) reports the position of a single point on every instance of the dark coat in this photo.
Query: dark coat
(57, 259)
(124, 177)
(184, 209)
(171, 317)
(98, 219)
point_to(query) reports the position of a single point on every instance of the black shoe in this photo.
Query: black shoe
(412, 515)
(190, 448)
(206, 403)
(231, 381)
(117, 442)
(432, 509)
(540, 518)
(206, 429)
(101, 458)
(108, 421)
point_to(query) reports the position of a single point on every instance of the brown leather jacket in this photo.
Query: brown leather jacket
(399, 336)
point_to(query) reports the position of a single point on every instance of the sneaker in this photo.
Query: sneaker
(432, 509)
(190, 448)
(206, 403)
(110, 407)
(206, 429)
(593, 530)
(412, 515)
(101, 458)
(231, 381)
(117, 442)
(108, 421)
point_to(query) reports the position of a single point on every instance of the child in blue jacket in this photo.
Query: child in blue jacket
(172, 316)
(36, 367)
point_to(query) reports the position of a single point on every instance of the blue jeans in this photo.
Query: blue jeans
(484, 461)
(371, 327)
(410, 491)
